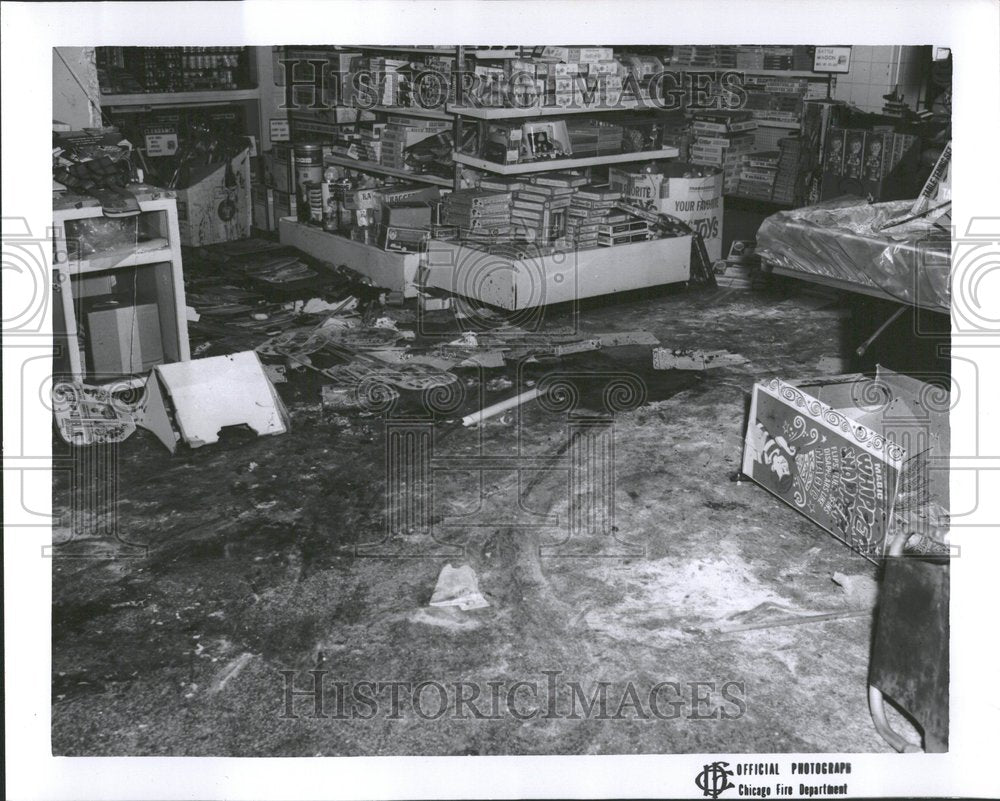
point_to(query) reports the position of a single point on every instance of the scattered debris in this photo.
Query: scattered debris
(498, 383)
(683, 359)
(199, 398)
(458, 587)
(86, 415)
(276, 373)
(502, 406)
(861, 590)
(229, 672)
(770, 615)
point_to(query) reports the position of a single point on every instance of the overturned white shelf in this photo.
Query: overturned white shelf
(563, 164)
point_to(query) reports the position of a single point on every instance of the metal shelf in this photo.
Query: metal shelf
(748, 71)
(563, 164)
(406, 111)
(179, 98)
(371, 166)
(494, 113)
(778, 124)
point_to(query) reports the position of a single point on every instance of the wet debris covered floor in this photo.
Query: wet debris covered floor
(248, 563)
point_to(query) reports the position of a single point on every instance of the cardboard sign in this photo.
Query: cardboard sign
(837, 472)
(161, 141)
(832, 59)
(688, 192)
(280, 130)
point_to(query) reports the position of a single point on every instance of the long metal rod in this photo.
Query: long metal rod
(863, 347)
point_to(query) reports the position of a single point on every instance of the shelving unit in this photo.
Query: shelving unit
(512, 283)
(147, 272)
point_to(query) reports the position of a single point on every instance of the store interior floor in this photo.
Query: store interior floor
(247, 563)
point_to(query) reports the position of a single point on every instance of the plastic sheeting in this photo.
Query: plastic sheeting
(841, 240)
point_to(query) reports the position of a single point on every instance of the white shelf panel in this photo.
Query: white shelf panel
(563, 164)
(114, 260)
(371, 166)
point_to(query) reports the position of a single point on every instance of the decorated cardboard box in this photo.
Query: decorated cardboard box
(848, 452)
(216, 207)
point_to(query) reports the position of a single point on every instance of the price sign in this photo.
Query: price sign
(832, 59)
(160, 141)
(280, 131)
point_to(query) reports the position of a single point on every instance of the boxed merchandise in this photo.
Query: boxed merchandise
(576, 54)
(399, 193)
(503, 143)
(401, 239)
(407, 214)
(547, 140)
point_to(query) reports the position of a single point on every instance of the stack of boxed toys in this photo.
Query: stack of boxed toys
(792, 164)
(480, 216)
(589, 212)
(404, 132)
(721, 140)
(560, 76)
(594, 137)
(620, 227)
(538, 210)
(758, 173)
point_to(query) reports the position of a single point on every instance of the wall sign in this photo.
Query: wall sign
(832, 59)
(161, 141)
(280, 131)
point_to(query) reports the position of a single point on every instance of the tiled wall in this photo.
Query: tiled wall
(875, 70)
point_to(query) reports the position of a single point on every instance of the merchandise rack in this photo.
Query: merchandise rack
(512, 283)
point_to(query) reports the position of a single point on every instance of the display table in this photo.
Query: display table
(839, 244)
(396, 272)
(516, 284)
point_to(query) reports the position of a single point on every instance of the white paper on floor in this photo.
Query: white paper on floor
(458, 587)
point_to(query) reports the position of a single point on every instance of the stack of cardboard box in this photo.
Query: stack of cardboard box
(758, 173)
(404, 132)
(588, 210)
(791, 169)
(721, 140)
(480, 216)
